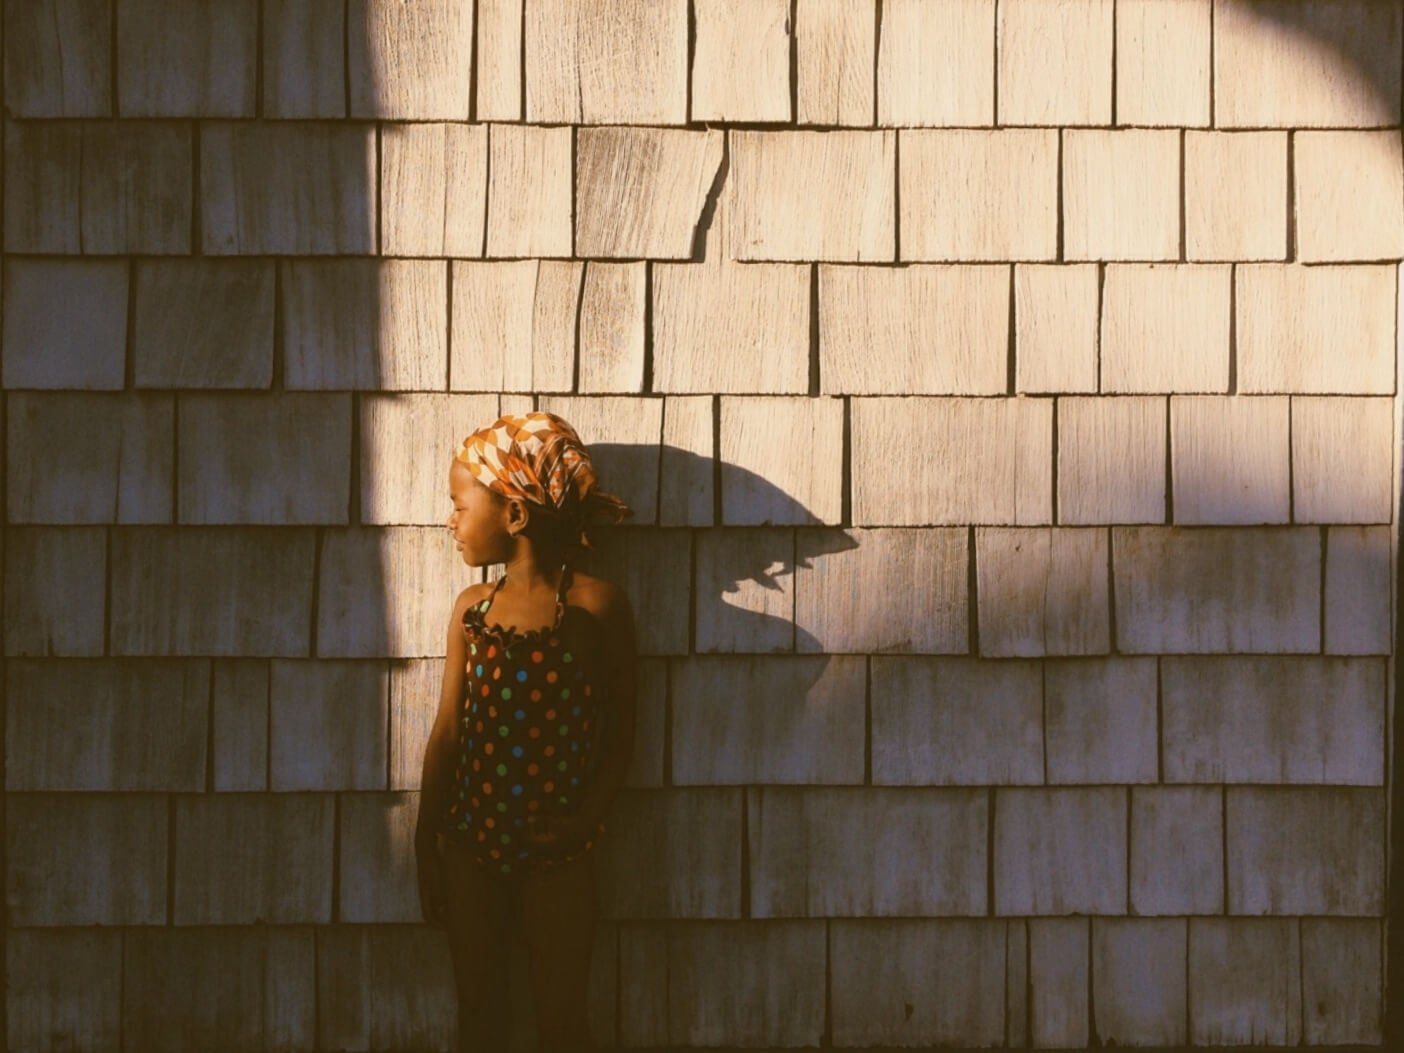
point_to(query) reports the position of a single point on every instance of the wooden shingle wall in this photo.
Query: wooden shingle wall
(1006, 392)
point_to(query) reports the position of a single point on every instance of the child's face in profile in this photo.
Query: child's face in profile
(478, 521)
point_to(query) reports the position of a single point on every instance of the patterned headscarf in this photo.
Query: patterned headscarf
(538, 457)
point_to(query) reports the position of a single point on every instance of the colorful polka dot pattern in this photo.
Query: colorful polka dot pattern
(526, 734)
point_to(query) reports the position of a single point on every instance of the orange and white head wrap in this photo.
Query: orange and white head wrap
(538, 457)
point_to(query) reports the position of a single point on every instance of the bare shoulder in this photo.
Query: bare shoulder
(604, 599)
(472, 594)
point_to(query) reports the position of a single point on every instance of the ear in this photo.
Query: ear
(518, 515)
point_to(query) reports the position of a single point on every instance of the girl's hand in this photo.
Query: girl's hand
(559, 830)
(433, 902)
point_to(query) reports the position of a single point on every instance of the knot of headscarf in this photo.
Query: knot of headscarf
(538, 457)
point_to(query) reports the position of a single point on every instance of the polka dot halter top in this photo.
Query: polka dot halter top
(527, 731)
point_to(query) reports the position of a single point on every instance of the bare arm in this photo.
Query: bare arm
(436, 789)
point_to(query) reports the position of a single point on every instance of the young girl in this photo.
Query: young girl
(533, 734)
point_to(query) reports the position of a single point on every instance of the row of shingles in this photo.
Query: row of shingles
(1033, 195)
(1152, 981)
(839, 64)
(1191, 460)
(968, 982)
(515, 323)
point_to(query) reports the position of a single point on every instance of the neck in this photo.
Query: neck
(532, 568)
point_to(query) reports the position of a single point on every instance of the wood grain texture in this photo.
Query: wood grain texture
(605, 62)
(1166, 328)
(407, 442)
(889, 591)
(640, 192)
(1316, 330)
(1111, 460)
(1273, 720)
(1121, 194)
(702, 984)
(741, 65)
(287, 188)
(913, 330)
(835, 44)
(1055, 62)
(1060, 851)
(55, 577)
(686, 488)
(1271, 70)
(377, 325)
(203, 324)
(377, 858)
(813, 195)
(778, 458)
(187, 58)
(414, 563)
(1060, 979)
(275, 852)
(1139, 980)
(840, 852)
(1177, 850)
(145, 725)
(265, 999)
(745, 593)
(1245, 977)
(1341, 984)
(935, 63)
(86, 859)
(1329, 434)
(974, 195)
(1162, 62)
(530, 191)
(1267, 826)
(65, 324)
(127, 479)
(922, 705)
(97, 188)
(947, 461)
(164, 578)
(433, 189)
(612, 332)
(274, 458)
(649, 865)
(1236, 195)
(1100, 721)
(1056, 315)
(808, 732)
(1229, 458)
(499, 71)
(70, 986)
(936, 967)
(328, 725)
(239, 715)
(58, 59)
(1217, 590)
(1357, 590)
(1349, 196)
(304, 59)
(410, 61)
(395, 984)
(514, 325)
(1042, 592)
(730, 328)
